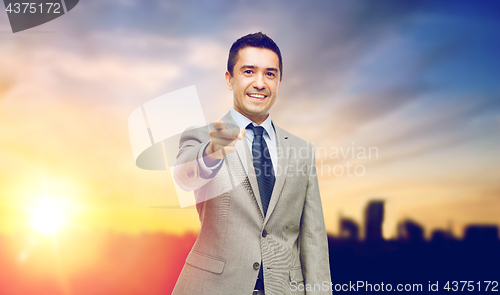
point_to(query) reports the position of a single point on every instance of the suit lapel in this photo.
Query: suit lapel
(243, 152)
(282, 147)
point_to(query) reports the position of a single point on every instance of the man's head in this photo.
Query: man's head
(254, 75)
(258, 40)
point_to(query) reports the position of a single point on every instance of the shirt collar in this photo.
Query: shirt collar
(243, 122)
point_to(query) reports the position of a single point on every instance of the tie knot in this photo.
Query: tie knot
(257, 130)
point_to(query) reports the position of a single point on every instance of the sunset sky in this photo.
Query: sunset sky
(417, 80)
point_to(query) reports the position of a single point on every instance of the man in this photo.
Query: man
(263, 233)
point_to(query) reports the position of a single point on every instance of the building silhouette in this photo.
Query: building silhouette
(481, 233)
(410, 231)
(441, 236)
(374, 218)
(349, 230)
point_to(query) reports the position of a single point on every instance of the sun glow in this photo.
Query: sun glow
(48, 216)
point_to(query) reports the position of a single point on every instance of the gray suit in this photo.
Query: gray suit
(235, 237)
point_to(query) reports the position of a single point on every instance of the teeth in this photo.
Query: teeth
(257, 95)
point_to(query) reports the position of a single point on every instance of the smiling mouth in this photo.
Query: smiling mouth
(256, 95)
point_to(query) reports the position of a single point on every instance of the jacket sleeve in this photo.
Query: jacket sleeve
(313, 240)
(187, 172)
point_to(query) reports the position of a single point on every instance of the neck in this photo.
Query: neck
(260, 120)
(257, 119)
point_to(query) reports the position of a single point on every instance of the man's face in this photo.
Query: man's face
(255, 82)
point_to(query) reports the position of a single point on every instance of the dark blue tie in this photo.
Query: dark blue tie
(263, 166)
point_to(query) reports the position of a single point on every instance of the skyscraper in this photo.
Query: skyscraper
(374, 218)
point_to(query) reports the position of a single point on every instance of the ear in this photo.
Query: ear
(228, 81)
(279, 85)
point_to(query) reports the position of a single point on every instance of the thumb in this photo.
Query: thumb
(242, 134)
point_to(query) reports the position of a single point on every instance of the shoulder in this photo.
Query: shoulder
(291, 138)
(294, 146)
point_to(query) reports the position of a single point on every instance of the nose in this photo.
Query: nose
(258, 83)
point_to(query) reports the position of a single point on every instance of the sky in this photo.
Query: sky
(415, 81)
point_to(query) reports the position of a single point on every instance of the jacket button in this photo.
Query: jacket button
(264, 233)
(256, 266)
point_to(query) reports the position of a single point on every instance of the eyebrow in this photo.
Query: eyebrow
(254, 67)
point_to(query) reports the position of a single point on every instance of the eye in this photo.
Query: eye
(270, 74)
(248, 72)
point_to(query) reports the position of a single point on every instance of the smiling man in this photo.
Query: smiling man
(265, 234)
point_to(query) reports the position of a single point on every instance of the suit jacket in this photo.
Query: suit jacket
(235, 236)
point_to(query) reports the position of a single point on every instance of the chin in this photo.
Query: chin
(257, 111)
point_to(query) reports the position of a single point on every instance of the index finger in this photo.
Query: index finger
(219, 125)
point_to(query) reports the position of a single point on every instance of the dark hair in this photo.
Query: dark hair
(258, 40)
